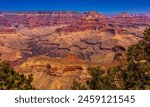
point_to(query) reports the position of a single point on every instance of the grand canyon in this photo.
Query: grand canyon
(57, 47)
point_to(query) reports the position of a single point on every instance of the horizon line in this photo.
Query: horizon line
(113, 13)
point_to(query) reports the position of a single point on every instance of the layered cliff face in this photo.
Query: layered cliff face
(56, 34)
(50, 73)
(68, 41)
(37, 19)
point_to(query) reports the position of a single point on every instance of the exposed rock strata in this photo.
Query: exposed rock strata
(93, 39)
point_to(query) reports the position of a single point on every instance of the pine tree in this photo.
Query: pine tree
(12, 80)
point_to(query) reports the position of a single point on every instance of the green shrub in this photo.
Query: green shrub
(12, 80)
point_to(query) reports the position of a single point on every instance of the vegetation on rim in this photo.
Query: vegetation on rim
(132, 74)
(12, 80)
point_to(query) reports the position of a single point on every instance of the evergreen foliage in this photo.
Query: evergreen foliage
(12, 80)
(132, 75)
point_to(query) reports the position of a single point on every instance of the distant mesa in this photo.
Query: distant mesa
(92, 15)
(123, 14)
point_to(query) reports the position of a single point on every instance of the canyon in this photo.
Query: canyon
(58, 47)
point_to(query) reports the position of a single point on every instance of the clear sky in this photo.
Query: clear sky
(103, 6)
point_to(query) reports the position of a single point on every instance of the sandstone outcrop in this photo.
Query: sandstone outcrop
(54, 73)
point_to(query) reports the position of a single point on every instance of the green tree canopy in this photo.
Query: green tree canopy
(12, 80)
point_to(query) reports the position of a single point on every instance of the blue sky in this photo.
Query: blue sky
(103, 6)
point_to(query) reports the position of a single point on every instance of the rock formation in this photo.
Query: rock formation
(70, 40)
